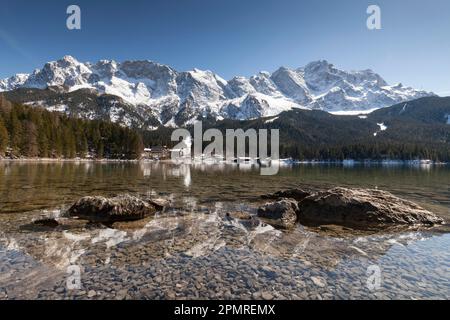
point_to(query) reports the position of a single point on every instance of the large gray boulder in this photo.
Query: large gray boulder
(282, 213)
(120, 208)
(362, 207)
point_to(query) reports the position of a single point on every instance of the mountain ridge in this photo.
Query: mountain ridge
(161, 95)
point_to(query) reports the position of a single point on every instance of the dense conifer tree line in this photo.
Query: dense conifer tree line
(336, 142)
(304, 135)
(35, 132)
(367, 150)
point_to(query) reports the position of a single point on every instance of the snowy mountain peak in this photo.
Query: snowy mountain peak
(174, 97)
(69, 60)
(319, 66)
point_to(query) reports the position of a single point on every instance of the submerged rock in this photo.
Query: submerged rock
(46, 222)
(120, 208)
(239, 215)
(159, 203)
(362, 207)
(281, 213)
(247, 220)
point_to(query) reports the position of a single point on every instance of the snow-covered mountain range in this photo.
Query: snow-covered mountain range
(173, 98)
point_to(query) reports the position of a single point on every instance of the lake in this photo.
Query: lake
(195, 251)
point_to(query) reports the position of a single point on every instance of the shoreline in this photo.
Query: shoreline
(347, 163)
(66, 160)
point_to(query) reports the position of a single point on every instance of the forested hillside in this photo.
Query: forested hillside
(418, 129)
(35, 132)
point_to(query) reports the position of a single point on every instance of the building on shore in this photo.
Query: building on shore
(182, 151)
(156, 153)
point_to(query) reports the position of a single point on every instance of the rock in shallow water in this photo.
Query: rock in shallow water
(239, 215)
(356, 208)
(281, 213)
(46, 222)
(362, 207)
(120, 208)
(159, 203)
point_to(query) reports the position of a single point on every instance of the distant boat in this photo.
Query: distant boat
(348, 162)
(264, 162)
(287, 161)
(426, 162)
(247, 160)
(422, 162)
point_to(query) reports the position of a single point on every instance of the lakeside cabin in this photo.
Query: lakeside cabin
(156, 153)
(164, 153)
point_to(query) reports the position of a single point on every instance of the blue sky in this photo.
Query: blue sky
(233, 37)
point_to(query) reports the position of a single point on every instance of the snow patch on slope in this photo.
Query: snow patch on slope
(180, 97)
(352, 112)
(271, 120)
(382, 126)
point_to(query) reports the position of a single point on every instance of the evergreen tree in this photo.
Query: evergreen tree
(43, 144)
(15, 132)
(69, 146)
(29, 145)
(100, 150)
(4, 137)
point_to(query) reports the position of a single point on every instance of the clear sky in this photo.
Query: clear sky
(236, 37)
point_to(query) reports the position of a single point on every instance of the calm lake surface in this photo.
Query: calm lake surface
(193, 250)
